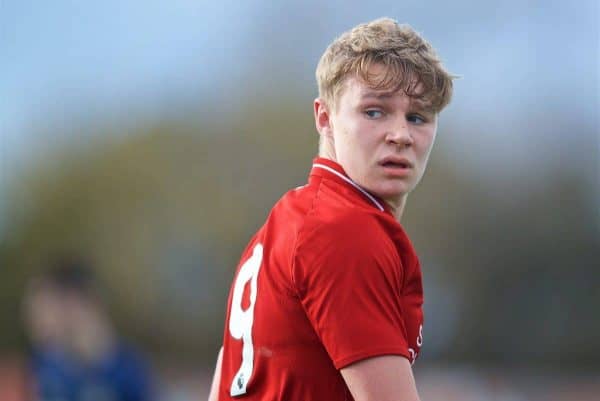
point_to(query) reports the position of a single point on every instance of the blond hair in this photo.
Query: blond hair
(410, 62)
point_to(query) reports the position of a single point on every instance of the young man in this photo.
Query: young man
(326, 303)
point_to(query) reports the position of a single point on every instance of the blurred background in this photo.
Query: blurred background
(152, 138)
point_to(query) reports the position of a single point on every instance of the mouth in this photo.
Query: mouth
(395, 163)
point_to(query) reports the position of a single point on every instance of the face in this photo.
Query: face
(382, 139)
(44, 316)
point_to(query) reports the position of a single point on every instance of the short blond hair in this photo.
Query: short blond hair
(409, 61)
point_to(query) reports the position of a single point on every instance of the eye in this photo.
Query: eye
(374, 113)
(416, 119)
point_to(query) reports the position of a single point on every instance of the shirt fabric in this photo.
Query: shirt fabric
(121, 375)
(330, 279)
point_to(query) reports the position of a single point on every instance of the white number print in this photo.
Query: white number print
(413, 353)
(240, 321)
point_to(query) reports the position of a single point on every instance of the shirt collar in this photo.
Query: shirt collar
(328, 168)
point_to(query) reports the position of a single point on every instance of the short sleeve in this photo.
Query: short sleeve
(348, 276)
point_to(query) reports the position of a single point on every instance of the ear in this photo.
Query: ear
(322, 118)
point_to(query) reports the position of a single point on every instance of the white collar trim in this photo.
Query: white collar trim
(349, 181)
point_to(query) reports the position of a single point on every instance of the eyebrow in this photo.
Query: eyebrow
(415, 102)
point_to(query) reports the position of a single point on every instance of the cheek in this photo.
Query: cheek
(425, 143)
(347, 137)
(365, 134)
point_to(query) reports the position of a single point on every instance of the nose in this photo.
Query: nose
(400, 135)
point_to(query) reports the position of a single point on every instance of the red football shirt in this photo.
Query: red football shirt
(330, 279)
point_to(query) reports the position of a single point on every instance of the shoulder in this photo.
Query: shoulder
(127, 356)
(340, 245)
(317, 214)
(343, 227)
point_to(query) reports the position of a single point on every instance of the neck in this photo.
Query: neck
(398, 206)
(326, 149)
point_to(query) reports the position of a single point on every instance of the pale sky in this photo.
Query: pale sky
(529, 68)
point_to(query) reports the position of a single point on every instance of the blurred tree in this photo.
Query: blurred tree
(166, 211)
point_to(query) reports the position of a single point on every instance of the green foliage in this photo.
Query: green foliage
(164, 213)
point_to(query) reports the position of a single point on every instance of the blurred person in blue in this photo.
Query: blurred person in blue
(76, 353)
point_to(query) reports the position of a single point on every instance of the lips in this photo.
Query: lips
(396, 162)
